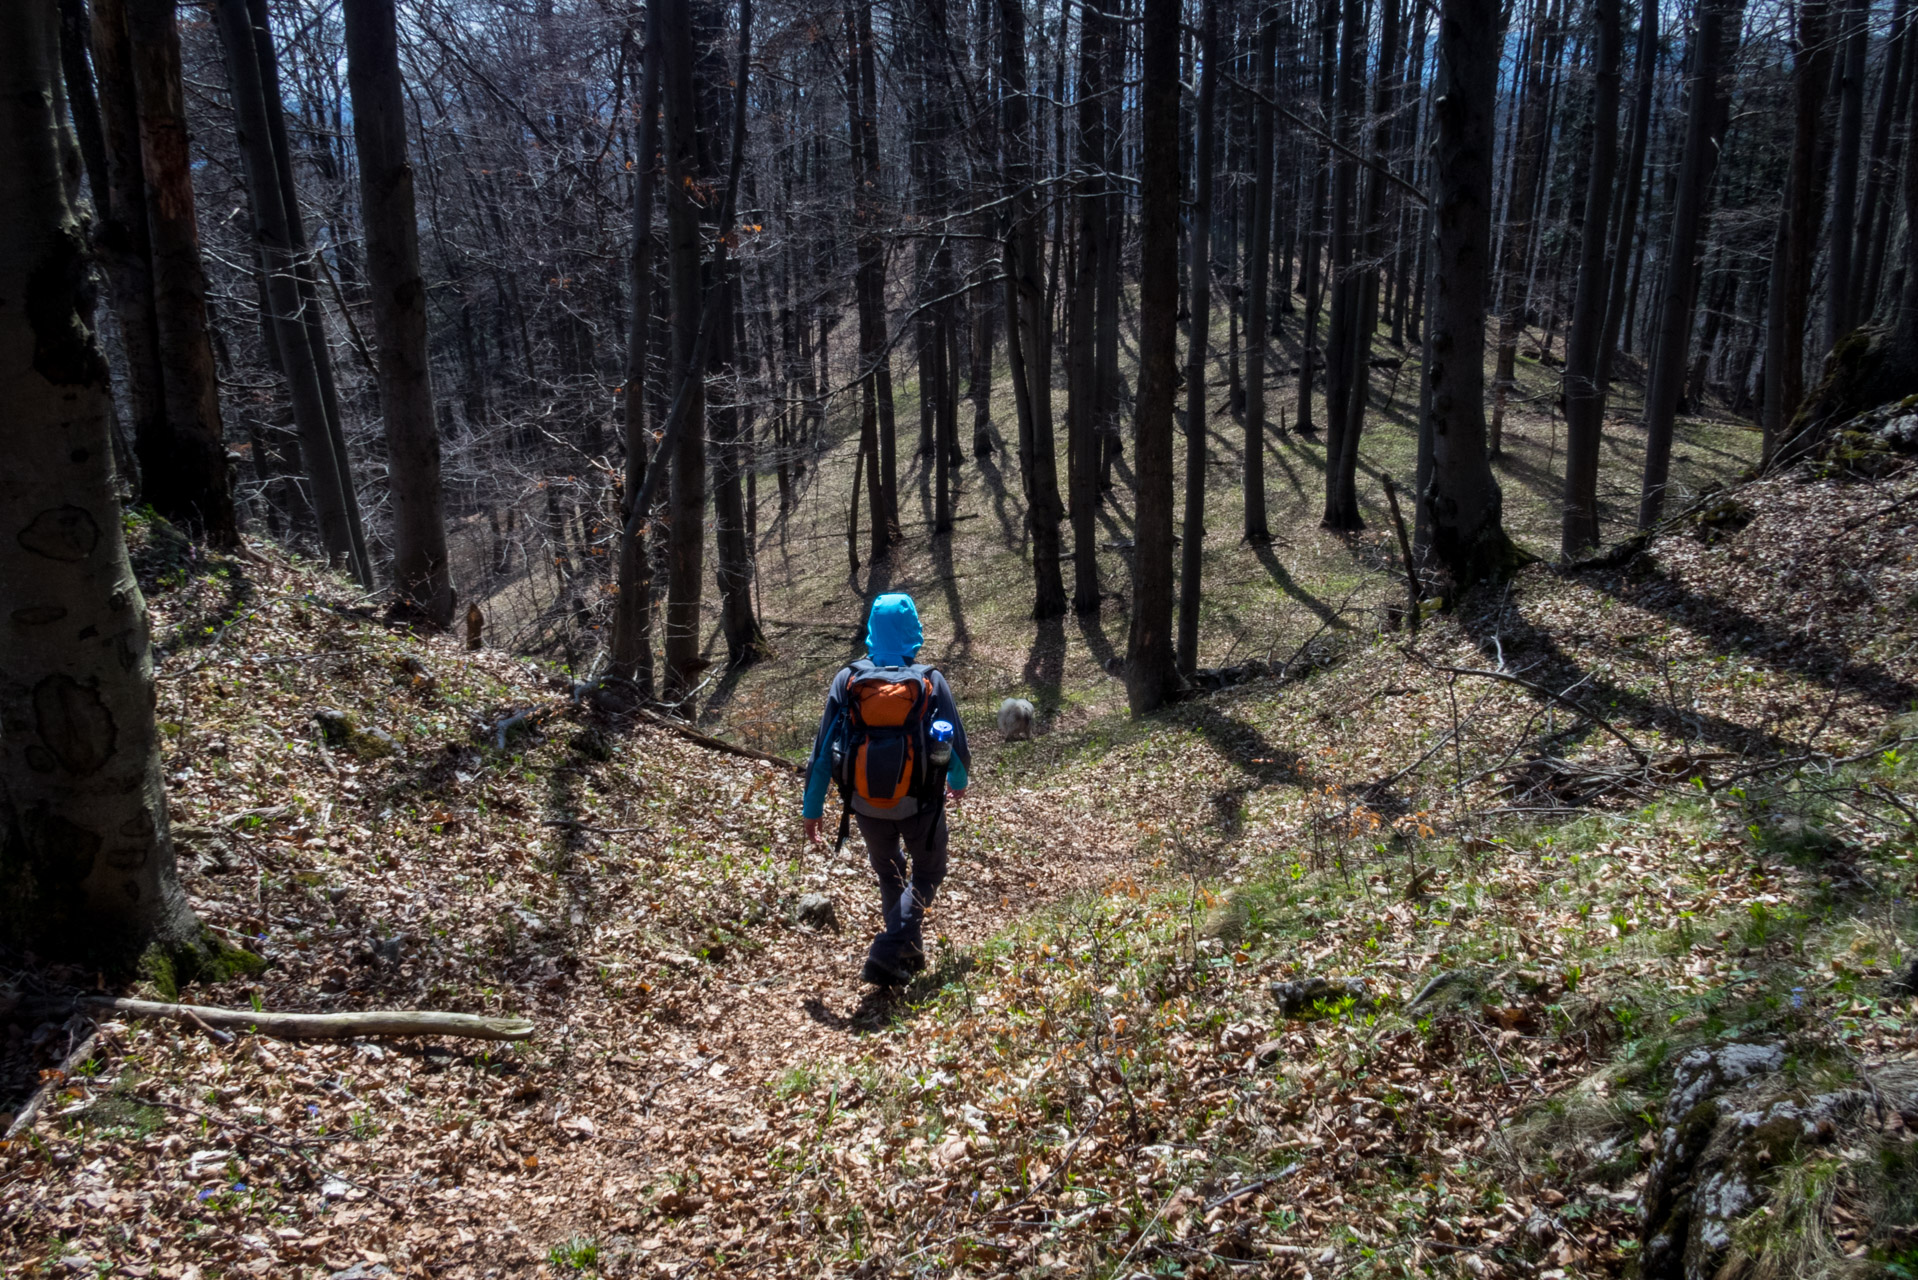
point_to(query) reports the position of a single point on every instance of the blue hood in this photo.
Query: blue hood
(892, 629)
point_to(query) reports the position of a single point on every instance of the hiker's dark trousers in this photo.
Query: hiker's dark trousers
(905, 893)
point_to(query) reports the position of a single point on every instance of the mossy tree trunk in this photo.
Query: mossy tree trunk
(86, 861)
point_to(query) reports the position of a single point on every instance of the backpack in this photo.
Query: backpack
(880, 758)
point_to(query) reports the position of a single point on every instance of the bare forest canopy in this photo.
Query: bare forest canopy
(913, 233)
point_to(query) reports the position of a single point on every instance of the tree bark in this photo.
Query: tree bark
(1192, 557)
(86, 857)
(632, 655)
(1342, 462)
(1028, 323)
(183, 467)
(120, 226)
(422, 577)
(1584, 393)
(329, 1026)
(1882, 166)
(272, 232)
(312, 315)
(1717, 40)
(732, 545)
(1085, 398)
(1853, 39)
(1630, 184)
(1151, 672)
(686, 507)
(1788, 300)
(1259, 260)
(1528, 146)
(1461, 500)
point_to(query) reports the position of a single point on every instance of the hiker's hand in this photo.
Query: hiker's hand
(812, 831)
(955, 796)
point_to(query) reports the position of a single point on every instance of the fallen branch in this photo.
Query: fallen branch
(55, 1081)
(327, 1026)
(1559, 698)
(711, 743)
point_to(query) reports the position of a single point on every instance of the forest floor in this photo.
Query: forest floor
(1703, 829)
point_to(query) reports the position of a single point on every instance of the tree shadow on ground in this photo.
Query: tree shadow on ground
(1013, 532)
(1290, 585)
(1731, 629)
(1535, 651)
(1046, 665)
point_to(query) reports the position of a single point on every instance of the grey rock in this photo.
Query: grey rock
(817, 910)
(1306, 994)
(1015, 719)
(360, 1271)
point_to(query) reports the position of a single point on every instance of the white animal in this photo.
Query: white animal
(1015, 719)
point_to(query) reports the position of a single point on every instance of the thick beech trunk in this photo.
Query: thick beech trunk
(120, 225)
(86, 859)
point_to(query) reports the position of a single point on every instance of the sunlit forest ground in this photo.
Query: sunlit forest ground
(974, 588)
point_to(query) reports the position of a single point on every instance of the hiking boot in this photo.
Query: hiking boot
(884, 975)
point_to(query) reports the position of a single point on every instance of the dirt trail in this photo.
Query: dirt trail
(638, 1105)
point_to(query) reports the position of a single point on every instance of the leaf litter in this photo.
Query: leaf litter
(1521, 910)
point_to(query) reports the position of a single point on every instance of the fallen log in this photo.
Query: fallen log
(706, 740)
(327, 1026)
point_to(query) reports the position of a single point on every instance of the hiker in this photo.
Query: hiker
(892, 741)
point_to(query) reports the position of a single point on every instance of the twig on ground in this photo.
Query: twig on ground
(55, 1081)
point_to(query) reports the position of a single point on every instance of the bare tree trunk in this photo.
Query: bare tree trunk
(1084, 391)
(632, 655)
(1630, 184)
(1461, 499)
(1528, 147)
(1342, 463)
(1259, 260)
(1028, 325)
(1584, 393)
(1151, 672)
(86, 857)
(686, 507)
(120, 225)
(325, 471)
(1852, 38)
(422, 577)
(183, 462)
(1718, 34)
(1874, 211)
(311, 314)
(1312, 269)
(868, 213)
(1192, 558)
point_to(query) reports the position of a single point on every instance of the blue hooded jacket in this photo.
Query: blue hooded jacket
(893, 636)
